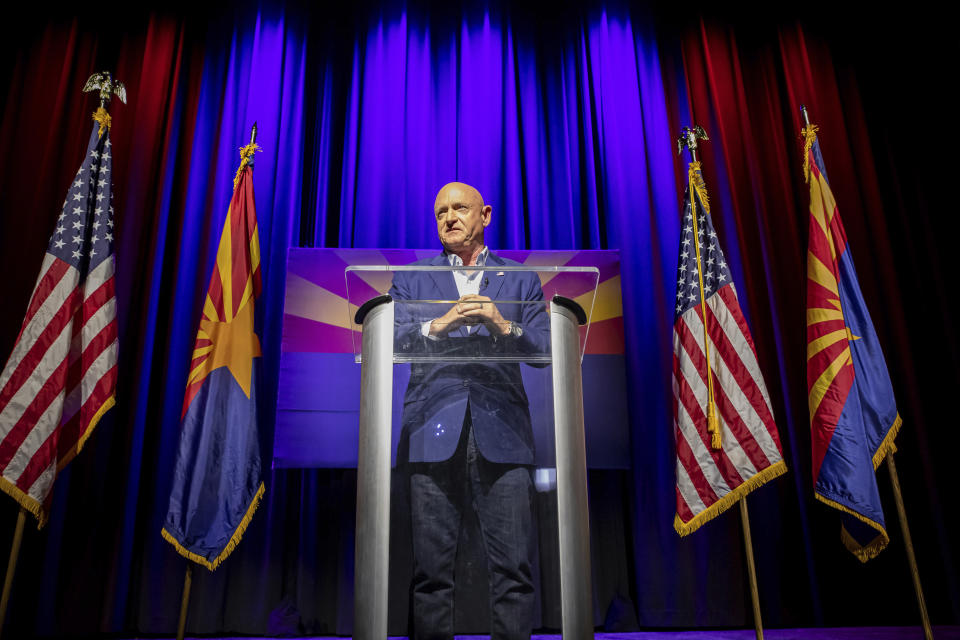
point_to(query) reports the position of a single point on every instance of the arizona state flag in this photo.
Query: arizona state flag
(216, 483)
(853, 415)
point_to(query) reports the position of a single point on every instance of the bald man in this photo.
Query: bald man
(467, 435)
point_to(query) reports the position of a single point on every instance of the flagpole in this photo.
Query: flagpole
(185, 600)
(751, 568)
(12, 565)
(908, 543)
(688, 138)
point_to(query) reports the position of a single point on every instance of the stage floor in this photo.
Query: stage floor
(844, 633)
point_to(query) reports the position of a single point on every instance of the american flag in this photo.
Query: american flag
(711, 478)
(61, 376)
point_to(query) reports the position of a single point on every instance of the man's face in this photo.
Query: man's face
(461, 217)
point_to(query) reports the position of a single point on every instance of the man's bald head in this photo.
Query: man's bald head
(461, 191)
(461, 218)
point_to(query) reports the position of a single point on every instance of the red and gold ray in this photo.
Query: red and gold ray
(830, 372)
(226, 337)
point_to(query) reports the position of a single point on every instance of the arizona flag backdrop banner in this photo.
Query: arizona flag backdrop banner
(319, 381)
(216, 483)
(853, 415)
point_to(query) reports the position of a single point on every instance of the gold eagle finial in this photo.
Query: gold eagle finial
(106, 84)
(688, 138)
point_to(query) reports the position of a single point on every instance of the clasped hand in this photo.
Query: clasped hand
(471, 309)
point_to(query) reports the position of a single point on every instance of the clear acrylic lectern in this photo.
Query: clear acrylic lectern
(538, 328)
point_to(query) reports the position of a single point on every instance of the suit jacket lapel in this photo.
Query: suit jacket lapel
(495, 282)
(446, 285)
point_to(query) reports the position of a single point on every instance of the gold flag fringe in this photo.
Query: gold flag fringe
(234, 539)
(29, 503)
(727, 501)
(106, 406)
(864, 553)
(875, 546)
(868, 551)
(888, 445)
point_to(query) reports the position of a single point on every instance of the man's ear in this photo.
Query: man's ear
(485, 214)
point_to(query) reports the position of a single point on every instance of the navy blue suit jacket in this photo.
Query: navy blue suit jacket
(438, 395)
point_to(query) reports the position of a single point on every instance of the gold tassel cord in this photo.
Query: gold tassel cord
(696, 179)
(698, 188)
(246, 153)
(809, 134)
(101, 117)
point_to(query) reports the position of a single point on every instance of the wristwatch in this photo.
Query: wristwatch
(514, 330)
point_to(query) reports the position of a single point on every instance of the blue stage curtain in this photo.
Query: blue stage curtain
(565, 118)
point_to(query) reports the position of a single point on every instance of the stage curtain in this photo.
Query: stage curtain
(565, 118)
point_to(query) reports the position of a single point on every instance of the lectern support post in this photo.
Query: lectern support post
(373, 475)
(576, 594)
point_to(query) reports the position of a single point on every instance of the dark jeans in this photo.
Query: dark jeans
(501, 496)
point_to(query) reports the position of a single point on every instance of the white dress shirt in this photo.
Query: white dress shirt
(468, 283)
